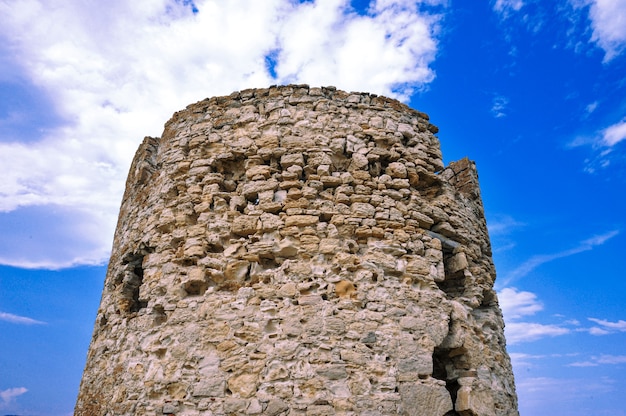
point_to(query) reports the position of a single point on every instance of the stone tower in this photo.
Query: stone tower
(299, 251)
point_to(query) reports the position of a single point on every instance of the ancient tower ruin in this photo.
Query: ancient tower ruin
(299, 251)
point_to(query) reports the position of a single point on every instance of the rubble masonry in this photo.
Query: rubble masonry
(299, 251)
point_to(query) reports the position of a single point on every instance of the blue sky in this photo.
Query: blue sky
(533, 91)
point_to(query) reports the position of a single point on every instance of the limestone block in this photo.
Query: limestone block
(251, 190)
(286, 248)
(332, 371)
(329, 245)
(474, 401)
(397, 170)
(345, 289)
(425, 399)
(409, 369)
(244, 385)
(233, 405)
(406, 130)
(237, 271)
(276, 407)
(359, 161)
(362, 210)
(245, 225)
(210, 387)
(331, 181)
(457, 263)
(301, 220)
(259, 170)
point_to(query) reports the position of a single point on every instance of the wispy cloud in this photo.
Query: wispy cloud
(506, 7)
(499, 106)
(500, 229)
(520, 359)
(538, 260)
(604, 359)
(502, 225)
(596, 22)
(9, 395)
(16, 319)
(590, 108)
(614, 134)
(117, 71)
(603, 144)
(606, 327)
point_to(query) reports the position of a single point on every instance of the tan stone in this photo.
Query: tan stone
(345, 289)
(301, 220)
(245, 225)
(244, 384)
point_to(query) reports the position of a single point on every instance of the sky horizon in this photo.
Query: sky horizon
(535, 93)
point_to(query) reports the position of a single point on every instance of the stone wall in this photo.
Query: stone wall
(299, 251)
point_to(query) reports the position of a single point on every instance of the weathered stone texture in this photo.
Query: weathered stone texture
(299, 251)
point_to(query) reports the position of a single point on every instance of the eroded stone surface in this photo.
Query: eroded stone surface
(299, 251)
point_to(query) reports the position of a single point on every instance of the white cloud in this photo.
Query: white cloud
(506, 7)
(590, 108)
(116, 71)
(614, 133)
(500, 227)
(498, 107)
(537, 260)
(516, 332)
(608, 21)
(604, 359)
(607, 327)
(516, 304)
(520, 359)
(611, 359)
(8, 395)
(602, 144)
(502, 224)
(16, 319)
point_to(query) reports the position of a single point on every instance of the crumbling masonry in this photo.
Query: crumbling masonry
(299, 251)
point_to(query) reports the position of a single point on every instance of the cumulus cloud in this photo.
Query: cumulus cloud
(9, 395)
(608, 22)
(114, 72)
(516, 304)
(16, 319)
